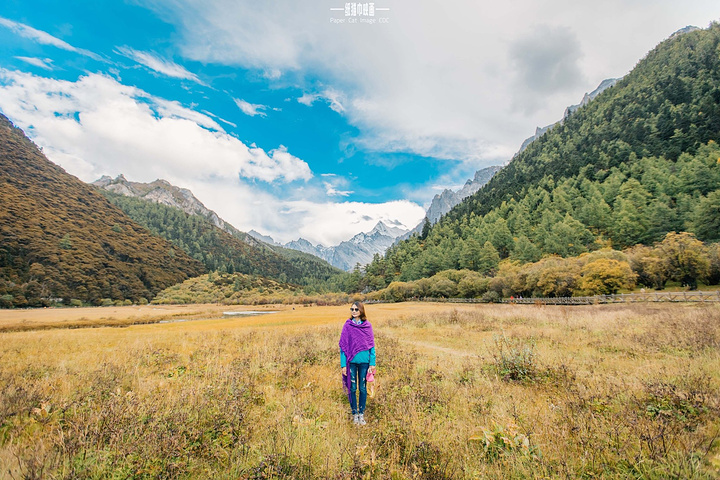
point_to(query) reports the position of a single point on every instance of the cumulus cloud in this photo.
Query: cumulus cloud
(251, 109)
(96, 124)
(336, 186)
(308, 99)
(44, 63)
(439, 78)
(331, 223)
(272, 74)
(158, 64)
(44, 38)
(335, 99)
(279, 163)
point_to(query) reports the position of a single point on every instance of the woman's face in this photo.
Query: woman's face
(355, 311)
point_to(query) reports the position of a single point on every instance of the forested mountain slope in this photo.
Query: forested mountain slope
(639, 161)
(61, 240)
(220, 250)
(668, 104)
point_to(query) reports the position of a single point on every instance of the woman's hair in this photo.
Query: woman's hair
(360, 307)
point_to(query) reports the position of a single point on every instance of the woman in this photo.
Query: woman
(357, 356)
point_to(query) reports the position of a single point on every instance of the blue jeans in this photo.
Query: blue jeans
(358, 371)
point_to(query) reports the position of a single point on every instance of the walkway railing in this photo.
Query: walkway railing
(623, 298)
(593, 300)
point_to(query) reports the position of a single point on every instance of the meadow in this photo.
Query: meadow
(466, 391)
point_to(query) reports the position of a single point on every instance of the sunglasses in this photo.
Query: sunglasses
(354, 309)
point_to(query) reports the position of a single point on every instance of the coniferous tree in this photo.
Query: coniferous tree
(425, 229)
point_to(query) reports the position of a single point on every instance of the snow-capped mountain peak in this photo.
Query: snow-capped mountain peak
(360, 249)
(382, 229)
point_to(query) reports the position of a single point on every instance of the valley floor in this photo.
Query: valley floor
(463, 391)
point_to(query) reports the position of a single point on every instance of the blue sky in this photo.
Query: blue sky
(295, 119)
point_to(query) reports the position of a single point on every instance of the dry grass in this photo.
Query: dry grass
(476, 391)
(48, 318)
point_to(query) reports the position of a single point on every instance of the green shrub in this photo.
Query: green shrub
(500, 442)
(491, 296)
(514, 358)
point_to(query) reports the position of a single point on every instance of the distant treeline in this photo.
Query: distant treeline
(238, 288)
(680, 258)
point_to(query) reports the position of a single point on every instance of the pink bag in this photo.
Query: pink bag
(370, 378)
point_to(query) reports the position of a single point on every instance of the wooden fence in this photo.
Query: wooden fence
(597, 299)
(623, 298)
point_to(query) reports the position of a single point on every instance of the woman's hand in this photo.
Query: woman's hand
(344, 371)
(372, 369)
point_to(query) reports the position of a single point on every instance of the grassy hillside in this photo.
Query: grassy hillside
(238, 288)
(61, 240)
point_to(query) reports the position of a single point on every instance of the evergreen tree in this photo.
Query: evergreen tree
(488, 259)
(425, 229)
(706, 218)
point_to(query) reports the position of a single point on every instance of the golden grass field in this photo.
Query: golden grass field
(466, 391)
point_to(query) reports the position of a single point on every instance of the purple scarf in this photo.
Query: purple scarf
(354, 339)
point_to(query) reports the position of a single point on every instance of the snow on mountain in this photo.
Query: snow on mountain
(360, 249)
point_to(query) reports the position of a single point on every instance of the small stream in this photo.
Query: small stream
(241, 313)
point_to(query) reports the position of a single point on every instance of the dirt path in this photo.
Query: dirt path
(424, 345)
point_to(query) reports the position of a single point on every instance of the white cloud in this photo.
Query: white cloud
(43, 37)
(331, 223)
(330, 190)
(440, 77)
(160, 65)
(272, 74)
(279, 163)
(336, 186)
(97, 125)
(234, 125)
(45, 63)
(332, 97)
(335, 99)
(308, 99)
(251, 109)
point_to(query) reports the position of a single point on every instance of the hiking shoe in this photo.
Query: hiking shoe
(361, 419)
(356, 418)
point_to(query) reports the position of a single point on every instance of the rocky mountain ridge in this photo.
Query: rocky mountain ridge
(539, 131)
(163, 192)
(443, 202)
(359, 249)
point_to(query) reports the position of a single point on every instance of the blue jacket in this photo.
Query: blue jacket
(366, 356)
